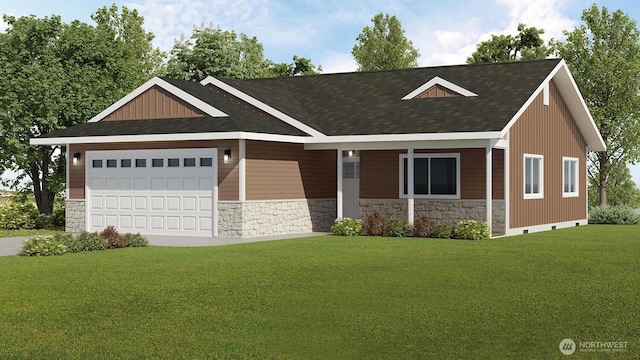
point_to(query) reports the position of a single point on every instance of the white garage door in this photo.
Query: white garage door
(165, 192)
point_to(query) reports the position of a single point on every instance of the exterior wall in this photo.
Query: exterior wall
(227, 173)
(437, 91)
(549, 131)
(263, 218)
(277, 171)
(155, 103)
(74, 216)
(380, 173)
(446, 211)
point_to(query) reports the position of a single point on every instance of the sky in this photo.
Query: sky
(444, 32)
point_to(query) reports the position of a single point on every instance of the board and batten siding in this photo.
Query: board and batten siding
(552, 132)
(155, 103)
(227, 173)
(279, 171)
(380, 173)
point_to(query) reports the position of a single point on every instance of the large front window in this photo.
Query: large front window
(434, 175)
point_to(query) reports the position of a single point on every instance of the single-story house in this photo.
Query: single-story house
(504, 143)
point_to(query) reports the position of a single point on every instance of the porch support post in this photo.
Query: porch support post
(339, 194)
(242, 170)
(489, 187)
(410, 178)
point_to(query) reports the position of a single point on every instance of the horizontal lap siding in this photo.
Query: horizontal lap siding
(155, 103)
(227, 173)
(379, 173)
(549, 131)
(277, 171)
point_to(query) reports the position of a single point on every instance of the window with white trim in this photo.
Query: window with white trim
(434, 176)
(569, 177)
(533, 176)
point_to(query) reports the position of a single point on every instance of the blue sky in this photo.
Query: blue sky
(445, 32)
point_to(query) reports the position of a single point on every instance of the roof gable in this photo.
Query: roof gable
(440, 82)
(155, 103)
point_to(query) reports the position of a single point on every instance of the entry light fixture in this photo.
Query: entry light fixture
(350, 153)
(227, 156)
(76, 158)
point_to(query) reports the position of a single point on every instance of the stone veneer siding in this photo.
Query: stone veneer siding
(263, 218)
(448, 211)
(74, 216)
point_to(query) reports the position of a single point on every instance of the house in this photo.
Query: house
(504, 143)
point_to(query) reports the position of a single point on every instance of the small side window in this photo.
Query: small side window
(97, 163)
(157, 162)
(141, 162)
(125, 163)
(206, 161)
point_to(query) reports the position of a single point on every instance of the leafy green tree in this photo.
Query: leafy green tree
(217, 52)
(384, 46)
(55, 75)
(604, 57)
(621, 189)
(526, 45)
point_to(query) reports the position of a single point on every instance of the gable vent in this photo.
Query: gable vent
(438, 87)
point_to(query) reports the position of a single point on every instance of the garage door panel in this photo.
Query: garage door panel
(125, 202)
(140, 222)
(125, 184)
(110, 202)
(173, 203)
(140, 202)
(97, 221)
(205, 184)
(125, 222)
(96, 203)
(204, 204)
(205, 223)
(189, 203)
(189, 184)
(157, 222)
(111, 183)
(173, 222)
(189, 223)
(96, 183)
(157, 203)
(157, 183)
(110, 219)
(173, 183)
(140, 184)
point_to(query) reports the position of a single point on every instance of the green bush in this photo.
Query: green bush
(347, 227)
(84, 241)
(18, 215)
(442, 231)
(114, 239)
(397, 227)
(616, 214)
(374, 224)
(423, 226)
(135, 240)
(42, 246)
(471, 230)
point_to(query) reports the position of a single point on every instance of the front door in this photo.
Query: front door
(351, 187)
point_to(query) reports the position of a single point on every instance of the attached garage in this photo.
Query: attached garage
(164, 192)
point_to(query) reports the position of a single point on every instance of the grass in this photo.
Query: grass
(330, 298)
(15, 233)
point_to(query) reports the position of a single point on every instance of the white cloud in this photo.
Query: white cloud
(335, 62)
(542, 14)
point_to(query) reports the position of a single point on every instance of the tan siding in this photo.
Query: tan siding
(155, 103)
(286, 171)
(380, 173)
(437, 91)
(227, 173)
(549, 131)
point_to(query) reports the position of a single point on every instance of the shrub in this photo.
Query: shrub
(42, 246)
(397, 227)
(135, 240)
(471, 230)
(616, 214)
(85, 241)
(423, 226)
(347, 227)
(442, 231)
(374, 224)
(114, 239)
(18, 214)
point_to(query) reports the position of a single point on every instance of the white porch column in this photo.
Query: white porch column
(489, 187)
(339, 194)
(410, 178)
(242, 171)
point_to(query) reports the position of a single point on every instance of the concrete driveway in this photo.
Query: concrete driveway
(12, 246)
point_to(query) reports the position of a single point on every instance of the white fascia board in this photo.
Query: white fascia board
(262, 106)
(442, 82)
(415, 143)
(574, 101)
(407, 137)
(156, 81)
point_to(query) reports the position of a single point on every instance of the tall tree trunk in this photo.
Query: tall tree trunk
(603, 178)
(43, 195)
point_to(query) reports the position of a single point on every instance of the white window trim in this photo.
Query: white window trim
(429, 156)
(576, 177)
(540, 194)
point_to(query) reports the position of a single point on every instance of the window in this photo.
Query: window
(125, 163)
(173, 162)
(111, 163)
(97, 163)
(569, 177)
(141, 162)
(189, 162)
(533, 176)
(157, 162)
(206, 161)
(434, 176)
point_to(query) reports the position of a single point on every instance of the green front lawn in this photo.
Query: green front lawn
(330, 298)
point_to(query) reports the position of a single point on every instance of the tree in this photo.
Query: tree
(621, 189)
(55, 75)
(604, 57)
(384, 46)
(217, 52)
(526, 45)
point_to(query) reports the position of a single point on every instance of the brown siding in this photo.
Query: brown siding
(227, 173)
(437, 91)
(286, 171)
(549, 131)
(380, 173)
(155, 103)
